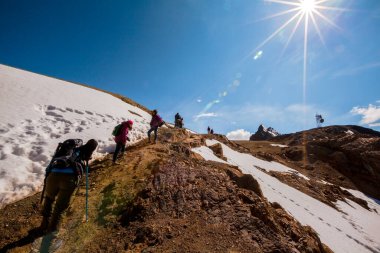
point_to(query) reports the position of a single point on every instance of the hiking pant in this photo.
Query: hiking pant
(155, 132)
(119, 147)
(59, 190)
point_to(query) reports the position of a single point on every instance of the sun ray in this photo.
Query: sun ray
(283, 2)
(327, 20)
(321, 2)
(280, 14)
(292, 34)
(275, 33)
(331, 8)
(317, 28)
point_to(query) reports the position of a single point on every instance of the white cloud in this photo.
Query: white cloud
(370, 115)
(239, 134)
(205, 115)
(199, 100)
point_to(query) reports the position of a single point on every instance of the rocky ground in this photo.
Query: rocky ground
(163, 198)
(346, 156)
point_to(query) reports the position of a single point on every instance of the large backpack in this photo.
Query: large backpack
(67, 155)
(116, 131)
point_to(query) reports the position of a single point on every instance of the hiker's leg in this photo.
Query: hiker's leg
(51, 191)
(149, 132)
(117, 150)
(155, 133)
(122, 148)
(67, 186)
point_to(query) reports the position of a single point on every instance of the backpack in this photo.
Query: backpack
(116, 130)
(67, 155)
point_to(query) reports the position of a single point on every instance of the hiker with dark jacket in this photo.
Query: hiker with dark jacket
(122, 138)
(178, 121)
(62, 178)
(155, 123)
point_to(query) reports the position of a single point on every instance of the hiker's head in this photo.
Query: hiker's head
(88, 149)
(130, 124)
(154, 112)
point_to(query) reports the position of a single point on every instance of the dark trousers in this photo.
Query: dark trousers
(119, 147)
(155, 132)
(59, 190)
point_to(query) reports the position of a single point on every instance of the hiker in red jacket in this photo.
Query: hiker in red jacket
(122, 138)
(154, 124)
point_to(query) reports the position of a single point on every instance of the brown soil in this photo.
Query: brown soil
(163, 198)
(328, 154)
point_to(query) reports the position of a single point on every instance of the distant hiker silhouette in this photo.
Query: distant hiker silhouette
(178, 121)
(208, 130)
(62, 178)
(212, 131)
(155, 123)
(121, 137)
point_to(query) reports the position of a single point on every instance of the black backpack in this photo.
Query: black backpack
(67, 155)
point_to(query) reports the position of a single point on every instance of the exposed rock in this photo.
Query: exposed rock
(218, 151)
(263, 133)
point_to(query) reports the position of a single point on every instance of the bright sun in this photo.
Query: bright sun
(304, 13)
(308, 5)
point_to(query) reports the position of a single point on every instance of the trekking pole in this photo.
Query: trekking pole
(87, 191)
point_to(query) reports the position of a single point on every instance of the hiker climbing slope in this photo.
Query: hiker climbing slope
(155, 123)
(178, 121)
(62, 178)
(121, 138)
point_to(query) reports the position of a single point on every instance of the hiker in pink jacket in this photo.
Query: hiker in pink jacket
(122, 138)
(154, 124)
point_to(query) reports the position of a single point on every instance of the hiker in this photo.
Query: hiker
(212, 131)
(178, 121)
(121, 138)
(62, 179)
(208, 130)
(155, 123)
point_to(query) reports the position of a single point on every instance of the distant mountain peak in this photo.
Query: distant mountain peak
(264, 133)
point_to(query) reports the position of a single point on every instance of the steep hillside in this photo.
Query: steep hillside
(37, 112)
(348, 156)
(163, 197)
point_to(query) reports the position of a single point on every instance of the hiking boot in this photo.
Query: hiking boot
(44, 224)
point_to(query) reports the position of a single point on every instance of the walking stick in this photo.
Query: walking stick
(87, 191)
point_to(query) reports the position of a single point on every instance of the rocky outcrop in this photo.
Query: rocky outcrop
(347, 153)
(195, 207)
(263, 134)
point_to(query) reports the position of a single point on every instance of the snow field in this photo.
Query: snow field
(350, 229)
(38, 112)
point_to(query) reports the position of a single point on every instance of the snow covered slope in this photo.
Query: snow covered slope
(350, 229)
(37, 112)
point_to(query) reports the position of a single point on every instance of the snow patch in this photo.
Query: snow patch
(350, 229)
(38, 112)
(279, 145)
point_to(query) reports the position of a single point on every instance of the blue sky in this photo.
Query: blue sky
(193, 57)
